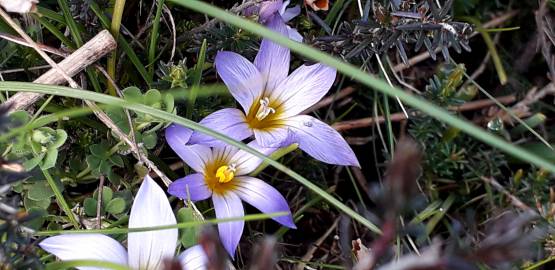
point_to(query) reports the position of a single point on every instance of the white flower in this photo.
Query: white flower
(145, 250)
(19, 6)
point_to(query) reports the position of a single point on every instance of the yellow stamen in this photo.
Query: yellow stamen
(225, 173)
(264, 110)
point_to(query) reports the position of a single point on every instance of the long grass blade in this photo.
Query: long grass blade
(110, 100)
(370, 81)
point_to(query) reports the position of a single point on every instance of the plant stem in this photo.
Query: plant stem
(114, 29)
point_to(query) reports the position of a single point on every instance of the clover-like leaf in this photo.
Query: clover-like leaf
(39, 191)
(149, 140)
(49, 160)
(30, 203)
(89, 204)
(115, 206)
(133, 94)
(100, 150)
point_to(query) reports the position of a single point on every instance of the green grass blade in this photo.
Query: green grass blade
(501, 74)
(122, 43)
(60, 198)
(183, 225)
(110, 100)
(89, 263)
(370, 81)
(197, 76)
(54, 30)
(70, 22)
(114, 29)
(153, 38)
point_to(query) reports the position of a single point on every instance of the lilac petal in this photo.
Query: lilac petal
(223, 154)
(272, 59)
(265, 198)
(193, 258)
(246, 162)
(151, 208)
(230, 122)
(289, 13)
(243, 79)
(303, 88)
(85, 247)
(321, 141)
(194, 183)
(228, 206)
(195, 156)
(268, 9)
(294, 34)
(273, 137)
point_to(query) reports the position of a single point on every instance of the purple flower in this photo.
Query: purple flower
(222, 173)
(146, 250)
(272, 100)
(268, 9)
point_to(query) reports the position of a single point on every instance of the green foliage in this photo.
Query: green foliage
(102, 159)
(112, 203)
(189, 236)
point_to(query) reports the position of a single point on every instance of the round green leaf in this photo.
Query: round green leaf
(116, 206)
(39, 191)
(89, 204)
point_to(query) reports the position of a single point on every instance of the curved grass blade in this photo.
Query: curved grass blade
(88, 263)
(110, 100)
(182, 225)
(370, 81)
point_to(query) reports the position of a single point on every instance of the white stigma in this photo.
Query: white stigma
(264, 109)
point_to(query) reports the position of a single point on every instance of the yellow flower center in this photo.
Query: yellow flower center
(264, 114)
(264, 109)
(225, 173)
(219, 176)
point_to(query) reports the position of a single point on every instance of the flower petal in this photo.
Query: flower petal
(151, 208)
(294, 34)
(193, 258)
(321, 141)
(265, 198)
(227, 206)
(230, 122)
(273, 137)
(303, 88)
(194, 155)
(268, 9)
(223, 154)
(194, 183)
(243, 79)
(289, 13)
(85, 247)
(273, 59)
(246, 162)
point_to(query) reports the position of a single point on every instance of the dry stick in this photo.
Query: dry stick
(75, 65)
(99, 202)
(310, 253)
(93, 50)
(514, 200)
(369, 121)
(425, 55)
(100, 114)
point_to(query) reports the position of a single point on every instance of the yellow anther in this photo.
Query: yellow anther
(264, 110)
(225, 173)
